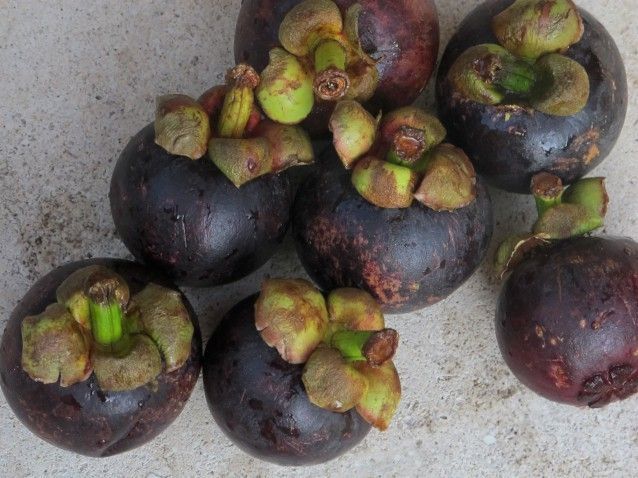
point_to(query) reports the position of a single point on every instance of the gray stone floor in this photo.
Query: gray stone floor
(79, 78)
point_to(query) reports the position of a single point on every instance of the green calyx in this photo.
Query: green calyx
(342, 341)
(449, 182)
(578, 210)
(354, 131)
(96, 327)
(237, 108)
(384, 184)
(328, 44)
(527, 65)
(489, 74)
(286, 89)
(182, 126)
(532, 28)
(562, 213)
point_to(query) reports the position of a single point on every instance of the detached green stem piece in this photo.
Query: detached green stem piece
(375, 348)
(547, 190)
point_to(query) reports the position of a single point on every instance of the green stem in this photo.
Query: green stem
(239, 101)
(106, 322)
(330, 54)
(331, 80)
(547, 190)
(408, 147)
(375, 348)
(516, 77)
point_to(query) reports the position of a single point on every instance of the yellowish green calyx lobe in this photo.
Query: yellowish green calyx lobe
(182, 126)
(286, 90)
(382, 396)
(384, 184)
(450, 180)
(140, 366)
(166, 320)
(241, 160)
(331, 382)
(291, 316)
(563, 86)
(288, 145)
(353, 130)
(54, 348)
(354, 309)
(532, 28)
(307, 23)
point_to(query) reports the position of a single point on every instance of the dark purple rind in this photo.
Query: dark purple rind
(567, 321)
(187, 219)
(406, 258)
(82, 418)
(259, 400)
(510, 145)
(401, 35)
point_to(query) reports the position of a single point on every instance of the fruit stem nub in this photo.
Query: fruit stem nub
(331, 80)
(375, 348)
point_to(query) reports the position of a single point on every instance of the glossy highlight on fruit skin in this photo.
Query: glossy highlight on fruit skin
(82, 418)
(509, 144)
(567, 321)
(402, 36)
(259, 400)
(187, 219)
(406, 258)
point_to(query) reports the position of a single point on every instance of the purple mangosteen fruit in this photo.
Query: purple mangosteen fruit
(100, 356)
(295, 378)
(531, 86)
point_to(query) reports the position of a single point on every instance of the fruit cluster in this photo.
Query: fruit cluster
(392, 217)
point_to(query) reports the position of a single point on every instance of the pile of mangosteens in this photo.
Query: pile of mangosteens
(100, 356)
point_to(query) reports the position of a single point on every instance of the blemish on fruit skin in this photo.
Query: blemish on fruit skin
(558, 374)
(583, 324)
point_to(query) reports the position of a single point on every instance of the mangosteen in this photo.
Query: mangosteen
(411, 221)
(297, 379)
(100, 356)
(567, 321)
(532, 86)
(212, 220)
(371, 51)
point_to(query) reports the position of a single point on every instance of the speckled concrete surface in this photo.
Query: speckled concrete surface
(79, 78)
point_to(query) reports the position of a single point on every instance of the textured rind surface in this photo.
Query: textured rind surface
(509, 145)
(406, 258)
(187, 219)
(82, 418)
(259, 400)
(567, 321)
(402, 36)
